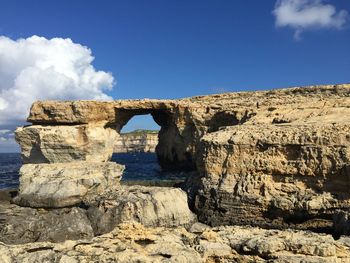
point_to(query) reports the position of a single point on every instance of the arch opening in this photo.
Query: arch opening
(156, 156)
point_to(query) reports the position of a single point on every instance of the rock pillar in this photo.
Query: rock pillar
(66, 164)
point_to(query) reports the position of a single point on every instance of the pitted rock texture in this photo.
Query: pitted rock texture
(135, 243)
(259, 173)
(62, 144)
(66, 184)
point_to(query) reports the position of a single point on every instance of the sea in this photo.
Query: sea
(140, 168)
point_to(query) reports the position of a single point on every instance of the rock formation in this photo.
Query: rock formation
(61, 184)
(131, 242)
(136, 141)
(272, 159)
(151, 206)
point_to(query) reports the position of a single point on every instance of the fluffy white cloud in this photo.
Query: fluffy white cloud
(308, 14)
(37, 68)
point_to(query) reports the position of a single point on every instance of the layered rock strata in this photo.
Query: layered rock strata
(277, 158)
(66, 184)
(150, 206)
(275, 174)
(137, 141)
(66, 143)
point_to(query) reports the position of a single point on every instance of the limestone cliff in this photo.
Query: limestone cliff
(277, 158)
(136, 141)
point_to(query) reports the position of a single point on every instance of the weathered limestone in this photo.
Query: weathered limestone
(135, 243)
(137, 141)
(150, 206)
(63, 144)
(274, 159)
(21, 225)
(260, 173)
(66, 184)
(277, 158)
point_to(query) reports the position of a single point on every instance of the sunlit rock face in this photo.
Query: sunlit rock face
(66, 184)
(137, 141)
(275, 174)
(273, 158)
(150, 206)
(63, 144)
(132, 242)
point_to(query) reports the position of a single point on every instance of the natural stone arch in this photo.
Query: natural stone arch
(243, 145)
(171, 148)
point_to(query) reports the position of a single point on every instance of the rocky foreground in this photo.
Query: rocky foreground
(126, 229)
(135, 243)
(269, 171)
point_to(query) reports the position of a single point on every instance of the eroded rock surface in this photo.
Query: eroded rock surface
(25, 225)
(62, 144)
(66, 184)
(135, 243)
(277, 158)
(150, 206)
(137, 141)
(254, 174)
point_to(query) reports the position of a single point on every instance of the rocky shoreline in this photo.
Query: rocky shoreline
(268, 181)
(105, 232)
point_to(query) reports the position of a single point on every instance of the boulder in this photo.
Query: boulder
(66, 184)
(150, 206)
(20, 225)
(63, 144)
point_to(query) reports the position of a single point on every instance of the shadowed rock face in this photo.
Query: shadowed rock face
(271, 158)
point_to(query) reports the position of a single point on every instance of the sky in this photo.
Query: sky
(167, 49)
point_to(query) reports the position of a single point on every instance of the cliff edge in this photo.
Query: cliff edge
(137, 141)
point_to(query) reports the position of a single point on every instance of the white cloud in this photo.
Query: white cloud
(37, 68)
(302, 15)
(2, 132)
(8, 145)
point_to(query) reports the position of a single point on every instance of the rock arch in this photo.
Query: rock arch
(171, 148)
(268, 158)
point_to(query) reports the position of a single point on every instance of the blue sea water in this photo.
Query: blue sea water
(139, 167)
(9, 166)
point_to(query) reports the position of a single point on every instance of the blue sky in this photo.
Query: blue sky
(173, 49)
